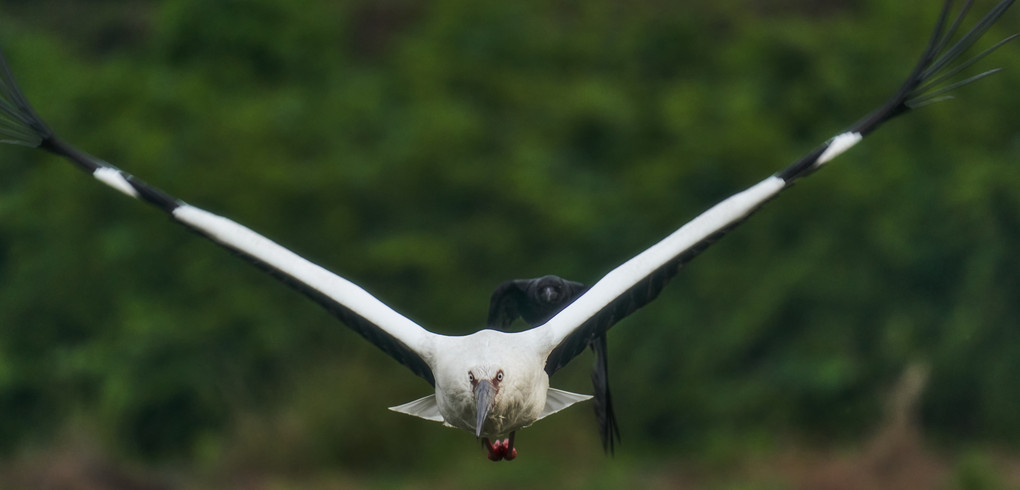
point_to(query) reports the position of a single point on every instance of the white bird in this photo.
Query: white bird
(493, 383)
(537, 300)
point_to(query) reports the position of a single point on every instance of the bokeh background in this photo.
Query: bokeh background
(859, 332)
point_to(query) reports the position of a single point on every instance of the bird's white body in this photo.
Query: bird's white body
(522, 397)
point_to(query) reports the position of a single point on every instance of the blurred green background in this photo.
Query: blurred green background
(862, 325)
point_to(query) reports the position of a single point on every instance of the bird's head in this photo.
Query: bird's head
(485, 386)
(490, 382)
(505, 396)
(549, 290)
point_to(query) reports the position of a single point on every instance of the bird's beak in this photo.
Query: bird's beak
(484, 392)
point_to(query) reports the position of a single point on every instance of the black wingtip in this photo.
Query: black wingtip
(19, 123)
(940, 68)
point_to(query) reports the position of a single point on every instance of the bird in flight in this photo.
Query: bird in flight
(536, 301)
(492, 382)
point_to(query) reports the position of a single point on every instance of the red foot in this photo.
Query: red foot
(495, 449)
(500, 450)
(509, 453)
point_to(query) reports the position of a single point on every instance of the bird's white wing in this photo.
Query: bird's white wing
(401, 338)
(640, 279)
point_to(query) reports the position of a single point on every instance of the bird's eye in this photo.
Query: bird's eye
(499, 376)
(471, 376)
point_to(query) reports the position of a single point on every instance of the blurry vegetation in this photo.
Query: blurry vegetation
(430, 150)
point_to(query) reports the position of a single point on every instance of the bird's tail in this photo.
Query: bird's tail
(19, 124)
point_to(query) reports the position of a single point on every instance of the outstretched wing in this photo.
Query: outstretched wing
(639, 280)
(395, 334)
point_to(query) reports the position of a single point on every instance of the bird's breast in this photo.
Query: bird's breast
(512, 409)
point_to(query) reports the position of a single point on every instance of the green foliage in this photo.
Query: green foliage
(430, 151)
(975, 472)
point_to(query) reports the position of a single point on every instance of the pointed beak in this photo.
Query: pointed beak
(484, 392)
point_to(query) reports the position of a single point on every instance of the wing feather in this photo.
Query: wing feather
(393, 333)
(639, 280)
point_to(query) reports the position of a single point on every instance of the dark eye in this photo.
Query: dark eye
(471, 376)
(499, 376)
